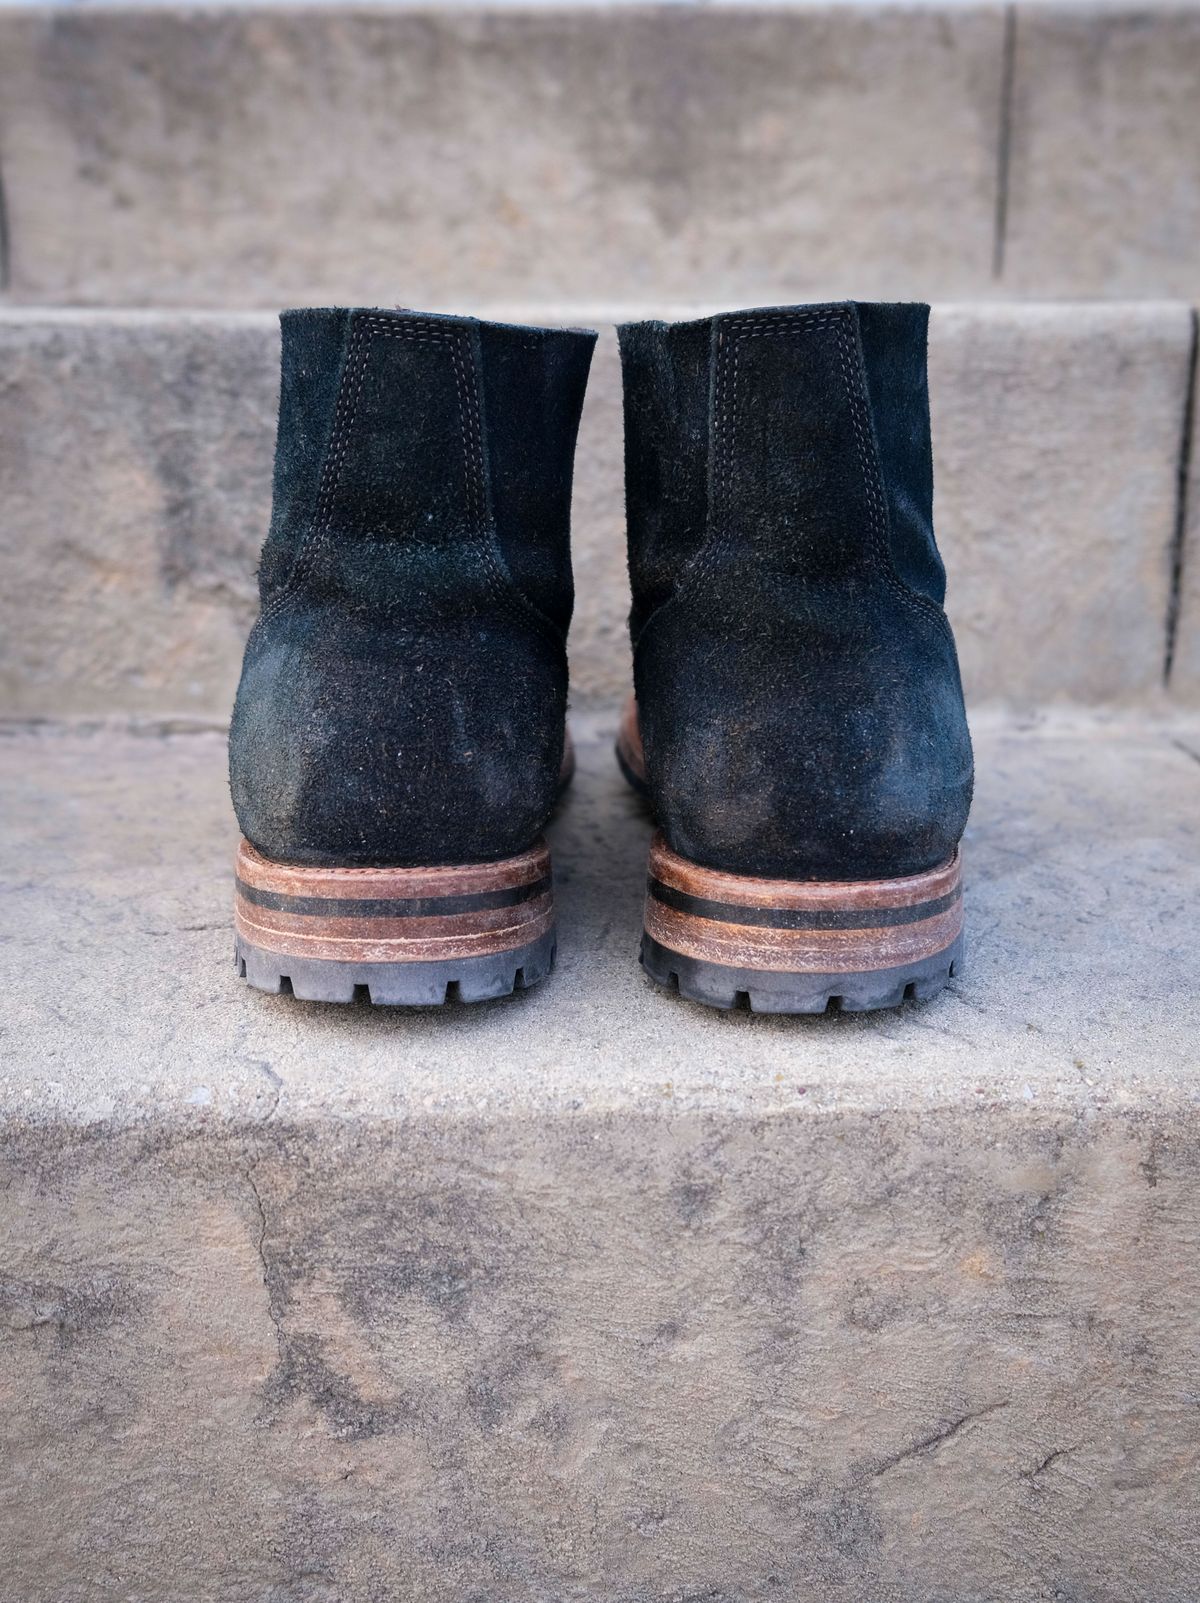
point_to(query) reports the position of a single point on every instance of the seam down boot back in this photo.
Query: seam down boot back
(398, 739)
(799, 724)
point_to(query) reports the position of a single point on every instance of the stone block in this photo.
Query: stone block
(259, 156)
(1103, 193)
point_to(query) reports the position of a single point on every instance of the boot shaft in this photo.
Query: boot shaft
(421, 460)
(791, 439)
(403, 691)
(799, 696)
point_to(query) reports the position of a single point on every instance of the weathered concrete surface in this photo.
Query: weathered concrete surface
(909, 1359)
(258, 156)
(1056, 444)
(135, 476)
(1103, 192)
(1084, 912)
(598, 1295)
(247, 156)
(135, 455)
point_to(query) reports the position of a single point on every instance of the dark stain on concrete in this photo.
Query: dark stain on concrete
(695, 1199)
(870, 1308)
(304, 1374)
(66, 1312)
(852, 1526)
(509, 1377)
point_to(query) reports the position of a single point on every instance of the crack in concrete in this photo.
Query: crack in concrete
(1004, 142)
(1050, 1458)
(260, 1248)
(1179, 533)
(1187, 751)
(930, 1444)
(5, 239)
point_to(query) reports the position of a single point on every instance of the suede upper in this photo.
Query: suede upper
(403, 693)
(797, 682)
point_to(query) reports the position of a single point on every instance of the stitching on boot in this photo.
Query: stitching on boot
(317, 536)
(726, 418)
(873, 484)
(504, 588)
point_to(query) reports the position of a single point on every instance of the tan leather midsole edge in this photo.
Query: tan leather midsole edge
(404, 915)
(823, 927)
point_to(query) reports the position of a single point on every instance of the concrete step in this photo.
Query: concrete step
(135, 479)
(596, 1295)
(237, 156)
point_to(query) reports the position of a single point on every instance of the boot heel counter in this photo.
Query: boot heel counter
(839, 758)
(402, 698)
(369, 753)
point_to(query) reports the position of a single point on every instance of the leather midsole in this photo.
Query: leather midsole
(797, 926)
(381, 915)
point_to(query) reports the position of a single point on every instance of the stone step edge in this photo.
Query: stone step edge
(599, 717)
(560, 313)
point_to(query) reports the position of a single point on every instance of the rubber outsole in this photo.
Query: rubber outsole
(400, 936)
(798, 946)
(471, 979)
(762, 991)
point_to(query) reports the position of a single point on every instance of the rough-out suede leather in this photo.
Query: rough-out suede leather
(403, 694)
(797, 681)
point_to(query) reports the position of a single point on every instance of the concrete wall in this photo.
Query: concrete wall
(264, 156)
(1103, 194)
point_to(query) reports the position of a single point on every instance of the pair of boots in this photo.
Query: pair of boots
(399, 743)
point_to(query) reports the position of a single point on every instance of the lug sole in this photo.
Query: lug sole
(790, 946)
(400, 936)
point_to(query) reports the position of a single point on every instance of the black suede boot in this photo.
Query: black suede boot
(398, 740)
(798, 696)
